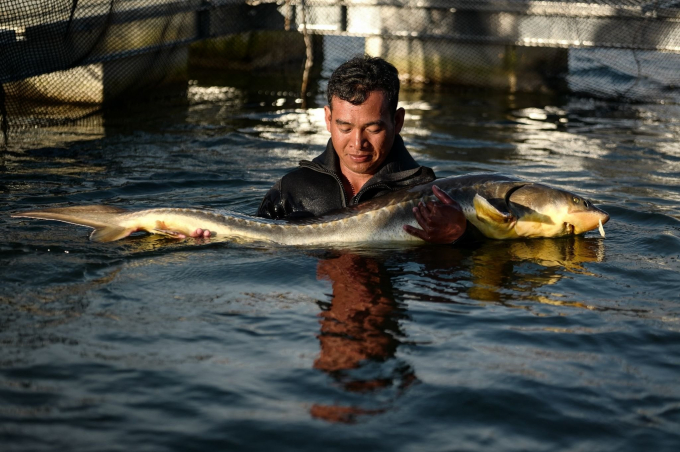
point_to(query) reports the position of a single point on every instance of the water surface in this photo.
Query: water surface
(155, 344)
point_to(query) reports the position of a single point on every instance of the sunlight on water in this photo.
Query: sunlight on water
(295, 127)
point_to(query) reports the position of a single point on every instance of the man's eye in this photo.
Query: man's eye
(374, 130)
(345, 130)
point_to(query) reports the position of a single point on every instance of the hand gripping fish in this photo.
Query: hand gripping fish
(501, 207)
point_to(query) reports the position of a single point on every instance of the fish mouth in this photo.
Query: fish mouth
(586, 221)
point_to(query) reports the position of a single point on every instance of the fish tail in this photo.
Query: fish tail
(104, 219)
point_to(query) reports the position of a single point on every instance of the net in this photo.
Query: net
(62, 60)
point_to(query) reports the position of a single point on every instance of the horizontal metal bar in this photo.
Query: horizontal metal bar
(619, 31)
(473, 39)
(573, 8)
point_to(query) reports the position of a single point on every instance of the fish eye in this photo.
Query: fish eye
(576, 200)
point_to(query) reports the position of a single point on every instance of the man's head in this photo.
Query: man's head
(362, 115)
(355, 79)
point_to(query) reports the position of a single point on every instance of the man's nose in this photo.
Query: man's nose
(358, 138)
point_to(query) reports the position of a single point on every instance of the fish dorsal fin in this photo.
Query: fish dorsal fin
(109, 233)
(487, 213)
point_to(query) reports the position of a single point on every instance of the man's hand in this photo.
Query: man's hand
(442, 222)
(197, 234)
(200, 234)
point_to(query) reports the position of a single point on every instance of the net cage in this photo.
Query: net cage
(61, 60)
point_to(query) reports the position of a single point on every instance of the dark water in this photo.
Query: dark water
(151, 344)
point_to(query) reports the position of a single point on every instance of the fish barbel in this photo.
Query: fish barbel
(500, 207)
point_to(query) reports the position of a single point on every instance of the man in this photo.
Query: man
(365, 157)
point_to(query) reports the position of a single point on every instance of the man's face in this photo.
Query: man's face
(363, 135)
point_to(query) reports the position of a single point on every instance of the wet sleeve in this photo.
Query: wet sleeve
(280, 203)
(272, 206)
(472, 236)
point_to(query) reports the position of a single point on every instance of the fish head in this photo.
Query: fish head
(543, 211)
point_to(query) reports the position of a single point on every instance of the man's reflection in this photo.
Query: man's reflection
(359, 328)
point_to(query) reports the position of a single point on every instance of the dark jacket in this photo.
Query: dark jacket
(315, 188)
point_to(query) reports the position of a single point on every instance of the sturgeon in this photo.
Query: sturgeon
(500, 207)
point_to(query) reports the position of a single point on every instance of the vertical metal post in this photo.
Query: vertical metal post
(309, 60)
(343, 18)
(289, 19)
(4, 126)
(203, 20)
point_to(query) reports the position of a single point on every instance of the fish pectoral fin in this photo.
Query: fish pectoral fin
(110, 233)
(488, 213)
(169, 233)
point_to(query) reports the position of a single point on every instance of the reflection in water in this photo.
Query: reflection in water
(358, 329)
(500, 272)
(50, 306)
(504, 271)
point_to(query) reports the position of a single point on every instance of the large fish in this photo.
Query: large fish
(500, 207)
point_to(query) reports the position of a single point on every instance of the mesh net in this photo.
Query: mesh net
(62, 60)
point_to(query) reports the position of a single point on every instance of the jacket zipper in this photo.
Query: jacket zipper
(355, 199)
(364, 189)
(335, 176)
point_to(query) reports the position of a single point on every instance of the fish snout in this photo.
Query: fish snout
(588, 220)
(601, 215)
(605, 216)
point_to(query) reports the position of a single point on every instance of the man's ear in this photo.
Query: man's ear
(399, 119)
(327, 115)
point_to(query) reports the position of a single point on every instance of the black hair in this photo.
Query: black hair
(355, 79)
